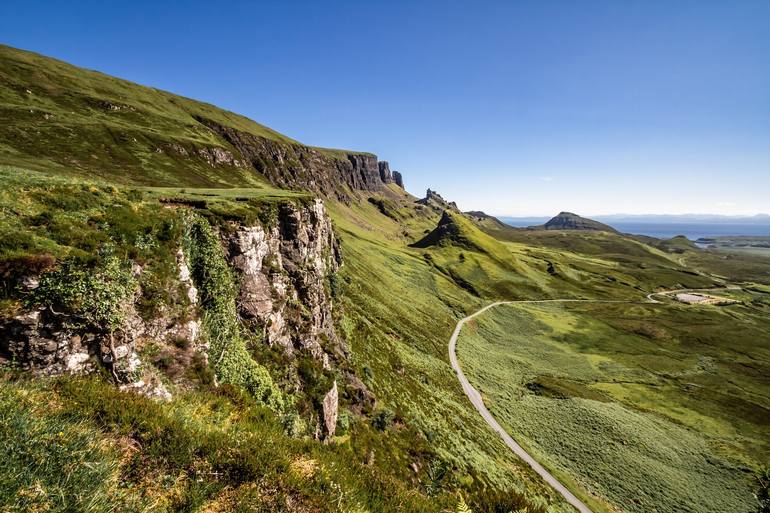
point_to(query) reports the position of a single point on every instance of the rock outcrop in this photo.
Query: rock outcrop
(434, 200)
(283, 271)
(330, 411)
(294, 166)
(385, 175)
(398, 179)
(46, 342)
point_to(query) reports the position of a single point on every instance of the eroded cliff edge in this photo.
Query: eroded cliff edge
(240, 294)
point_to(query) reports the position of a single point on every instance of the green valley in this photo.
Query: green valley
(198, 313)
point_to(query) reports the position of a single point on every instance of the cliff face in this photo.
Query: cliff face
(398, 179)
(284, 275)
(282, 271)
(295, 166)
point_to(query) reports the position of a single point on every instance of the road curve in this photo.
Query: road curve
(478, 402)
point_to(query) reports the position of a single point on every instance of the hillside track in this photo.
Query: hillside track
(478, 402)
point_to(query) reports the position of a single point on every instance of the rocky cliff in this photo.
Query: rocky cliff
(284, 273)
(282, 270)
(294, 166)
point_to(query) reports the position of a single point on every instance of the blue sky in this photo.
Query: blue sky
(516, 108)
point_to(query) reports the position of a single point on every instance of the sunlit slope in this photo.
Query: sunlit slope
(500, 264)
(62, 118)
(658, 406)
(397, 315)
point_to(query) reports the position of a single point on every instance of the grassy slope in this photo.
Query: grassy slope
(399, 304)
(85, 123)
(387, 284)
(79, 443)
(660, 405)
(398, 315)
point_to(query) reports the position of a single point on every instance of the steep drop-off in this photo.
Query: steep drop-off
(96, 125)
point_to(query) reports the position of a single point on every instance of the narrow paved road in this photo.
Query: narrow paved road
(478, 402)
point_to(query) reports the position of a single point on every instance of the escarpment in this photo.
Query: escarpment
(132, 135)
(295, 166)
(263, 280)
(284, 271)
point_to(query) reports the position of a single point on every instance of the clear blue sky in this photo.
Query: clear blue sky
(520, 108)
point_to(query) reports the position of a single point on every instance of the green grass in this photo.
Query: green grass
(398, 313)
(646, 406)
(50, 462)
(86, 124)
(81, 445)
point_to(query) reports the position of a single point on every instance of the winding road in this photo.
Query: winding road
(478, 402)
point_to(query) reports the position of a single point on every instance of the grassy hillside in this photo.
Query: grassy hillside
(651, 406)
(97, 170)
(84, 123)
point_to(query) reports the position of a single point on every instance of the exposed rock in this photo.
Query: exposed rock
(330, 411)
(185, 277)
(216, 156)
(294, 166)
(435, 201)
(385, 174)
(30, 282)
(212, 155)
(283, 270)
(362, 400)
(398, 179)
(49, 343)
(153, 389)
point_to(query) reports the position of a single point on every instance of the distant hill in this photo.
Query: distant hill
(485, 220)
(762, 219)
(570, 221)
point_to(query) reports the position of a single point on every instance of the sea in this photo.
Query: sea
(692, 231)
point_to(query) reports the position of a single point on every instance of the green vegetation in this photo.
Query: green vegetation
(51, 463)
(83, 123)
(231, 359)
(95, 294)
(81, 445)
(398, 314)
(645, 405)
(635, 407)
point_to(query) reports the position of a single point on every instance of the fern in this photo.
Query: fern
(462, 507)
